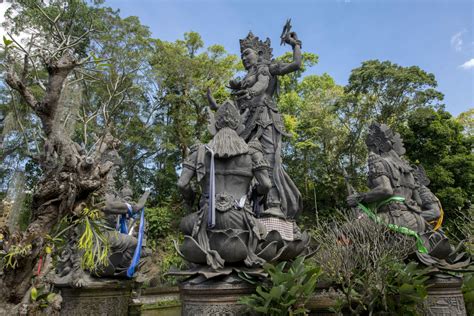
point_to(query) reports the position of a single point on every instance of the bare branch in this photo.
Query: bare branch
(15, 83)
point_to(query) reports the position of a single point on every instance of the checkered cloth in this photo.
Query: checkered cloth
(284, 227)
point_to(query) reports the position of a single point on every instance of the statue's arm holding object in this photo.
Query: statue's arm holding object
(286, 68)
(114, 205)
(382, 189)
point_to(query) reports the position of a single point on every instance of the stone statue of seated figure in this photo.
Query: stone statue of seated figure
(399, 197)
(122, 245)
(224, 229)
(226, 232)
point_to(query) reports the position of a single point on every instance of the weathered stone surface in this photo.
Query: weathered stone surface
(111, 297)
(214, 298)
(248, 204)
(445, 297)
(403, 201)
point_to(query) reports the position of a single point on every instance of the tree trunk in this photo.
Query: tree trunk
(69, 177)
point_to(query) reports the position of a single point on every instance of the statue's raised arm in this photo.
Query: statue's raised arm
(280, 68)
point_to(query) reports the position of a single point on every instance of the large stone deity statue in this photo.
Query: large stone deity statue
(400, 198)
(255, 98)
(225, 233)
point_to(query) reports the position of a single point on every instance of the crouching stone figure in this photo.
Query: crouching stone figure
(224, 230)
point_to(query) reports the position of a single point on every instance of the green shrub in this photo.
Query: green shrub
(286, 291)
(162, 221)
(365, 261)
(468, 292)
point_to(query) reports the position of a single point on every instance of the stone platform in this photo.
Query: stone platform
(97, 298)
(444, 297)
(214, 298)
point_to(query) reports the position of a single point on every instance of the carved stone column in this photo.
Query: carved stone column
(445, 297)
(213, 298)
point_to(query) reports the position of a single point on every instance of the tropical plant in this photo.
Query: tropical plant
(286, 290)
(468, 292)
(365, 261)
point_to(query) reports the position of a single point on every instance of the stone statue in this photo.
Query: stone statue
(225, 231)
(122, 245)
(255, 98)
(122, 242)
(402, 199)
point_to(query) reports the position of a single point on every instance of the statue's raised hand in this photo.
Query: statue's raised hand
(292, 39)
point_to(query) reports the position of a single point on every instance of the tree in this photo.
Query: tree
(437, 141)
(390, 92)
(50, 74)
(182, 73)
(466, 119)
(313, 153)
(384, 92)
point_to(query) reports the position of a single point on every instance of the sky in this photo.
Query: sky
(436, 35)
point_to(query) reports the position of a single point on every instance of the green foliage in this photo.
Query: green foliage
(468, 292)
(466, 119)
(41, 296)
(92, 241)
(162, 221)
(390, 91)
(406, 288)
(436, 140)
(365, 261)
(9, 260)
(286, 291)
(165, 257)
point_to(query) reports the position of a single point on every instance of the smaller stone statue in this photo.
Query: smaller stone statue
(399, 198)
(124, 240)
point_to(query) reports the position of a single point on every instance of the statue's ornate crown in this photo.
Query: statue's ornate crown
(262, 48)
(380, 136)
(227, 116)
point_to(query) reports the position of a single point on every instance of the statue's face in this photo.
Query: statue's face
(249, 58)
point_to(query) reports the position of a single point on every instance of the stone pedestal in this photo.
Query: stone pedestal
(445, 297)
(322, 301)
(98, 298)
(213, 298)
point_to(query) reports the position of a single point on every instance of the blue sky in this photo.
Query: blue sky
(436, 35)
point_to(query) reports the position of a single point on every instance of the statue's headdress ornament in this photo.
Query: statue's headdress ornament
(263, 49)
(379, 136)
(227, 116)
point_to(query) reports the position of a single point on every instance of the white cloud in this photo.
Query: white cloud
(457, 41)
(468, 64)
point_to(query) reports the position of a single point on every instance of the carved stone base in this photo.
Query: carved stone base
(213, 298)
(104, 297)
(445, 297)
